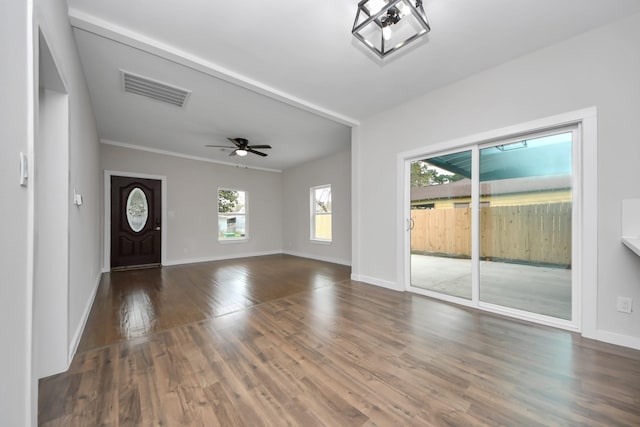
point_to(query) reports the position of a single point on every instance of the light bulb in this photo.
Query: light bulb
(240, 152)
(386, 33)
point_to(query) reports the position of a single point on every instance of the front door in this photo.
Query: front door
(135, 222)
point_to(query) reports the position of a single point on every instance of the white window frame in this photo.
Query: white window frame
(312, 205)
(221, 238)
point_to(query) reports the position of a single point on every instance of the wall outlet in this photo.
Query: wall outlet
(624, 304)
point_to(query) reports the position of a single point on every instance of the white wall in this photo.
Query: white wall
(600, 68)
(84, 175)
(16, 75)
(334, 170)
(191, 223)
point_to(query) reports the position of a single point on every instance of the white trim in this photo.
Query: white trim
(321, 242)
(586, 227)
(75, 340)
(356, 205)
(219, 258)
(475, 225)
(233, 240)
(318, 258)
(30, 398)
(617, 339)
(182, 156)
(111, 31)
(106, 259)
(576, 223)
(589, 233)
(377, 282)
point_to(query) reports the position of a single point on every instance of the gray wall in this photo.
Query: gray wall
(84, 221)
(600, 68)
(334, 170)
(192, 227)
(15, 294)
(18, 388)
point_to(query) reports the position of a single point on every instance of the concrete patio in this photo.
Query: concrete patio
(542, 290)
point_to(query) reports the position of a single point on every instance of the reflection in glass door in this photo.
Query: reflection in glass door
(525, 225)
(441, 224)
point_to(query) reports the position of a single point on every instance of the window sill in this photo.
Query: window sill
(321, 242)
(238, 240)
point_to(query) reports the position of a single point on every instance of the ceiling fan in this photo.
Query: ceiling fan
(242, 147)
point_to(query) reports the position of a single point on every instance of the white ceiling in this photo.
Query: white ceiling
(289, 73)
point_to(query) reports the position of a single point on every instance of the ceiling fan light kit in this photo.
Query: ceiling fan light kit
(385, 26)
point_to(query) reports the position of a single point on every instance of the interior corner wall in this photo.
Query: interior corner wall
(16, 102)
(335, 170)
(192, 211)
(51, 18)
(600, 68)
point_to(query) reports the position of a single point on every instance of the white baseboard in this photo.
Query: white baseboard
(377, 282)
(618, 339)
(75, 341)
(319, 258)
(219, 257)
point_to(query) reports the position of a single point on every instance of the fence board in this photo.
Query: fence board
(538, 233)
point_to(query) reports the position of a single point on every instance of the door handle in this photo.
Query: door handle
(157, 228)
(410, 224)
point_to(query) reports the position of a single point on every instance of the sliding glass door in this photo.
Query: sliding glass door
(491, 226)
(525, 225)
(441, 227)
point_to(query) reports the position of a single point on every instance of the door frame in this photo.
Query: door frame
(585, 236)
(106, 261)
(49, 187)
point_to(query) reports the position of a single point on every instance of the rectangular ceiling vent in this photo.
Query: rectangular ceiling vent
(154, 89)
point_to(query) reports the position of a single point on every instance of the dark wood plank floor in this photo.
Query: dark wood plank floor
(136, 303)
(287, 341)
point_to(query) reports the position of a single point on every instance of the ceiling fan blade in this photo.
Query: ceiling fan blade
(219, 146)
(259, 146)
(257, 152)
(233, 153)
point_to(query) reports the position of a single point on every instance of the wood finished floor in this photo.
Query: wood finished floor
(286, 341)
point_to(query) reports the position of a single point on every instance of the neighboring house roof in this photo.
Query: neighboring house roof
(462, 188)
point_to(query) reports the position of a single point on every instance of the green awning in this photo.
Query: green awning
(545, 156)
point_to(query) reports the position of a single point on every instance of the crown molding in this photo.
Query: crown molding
(182, 156)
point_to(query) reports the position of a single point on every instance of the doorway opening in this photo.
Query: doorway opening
(51, 218)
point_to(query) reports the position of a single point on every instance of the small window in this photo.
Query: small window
(321, 213)
(232, 215)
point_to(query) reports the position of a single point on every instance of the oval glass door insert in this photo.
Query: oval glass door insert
(137, 209)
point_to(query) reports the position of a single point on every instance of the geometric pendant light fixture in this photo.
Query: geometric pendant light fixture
(385, 26)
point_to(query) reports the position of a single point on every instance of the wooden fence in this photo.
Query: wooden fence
(539, 234)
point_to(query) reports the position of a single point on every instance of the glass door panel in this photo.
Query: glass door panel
(525, 225)
(441, 224)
